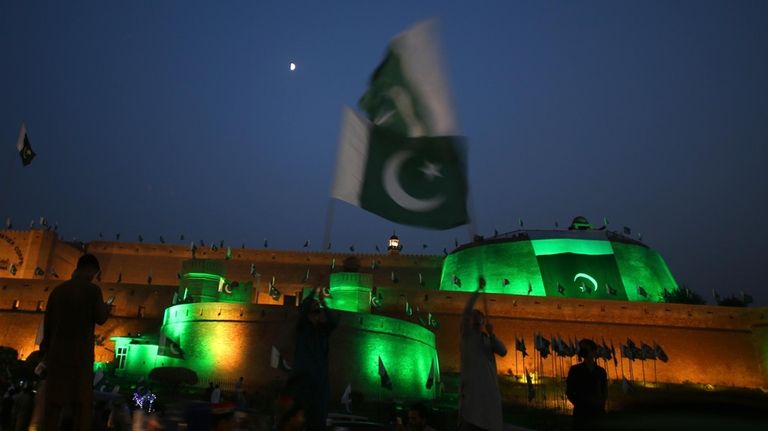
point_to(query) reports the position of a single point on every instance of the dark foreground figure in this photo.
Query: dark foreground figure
(587, 388)
(74, 308)
(310, 371)
(480, 399)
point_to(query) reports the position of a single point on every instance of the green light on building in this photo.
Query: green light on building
(560, 267)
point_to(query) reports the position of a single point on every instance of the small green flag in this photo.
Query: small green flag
(24, 147)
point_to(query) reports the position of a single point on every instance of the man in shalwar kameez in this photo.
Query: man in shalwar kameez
(74, 308)
(480, 400)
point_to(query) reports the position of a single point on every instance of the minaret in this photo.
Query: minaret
(394, 246)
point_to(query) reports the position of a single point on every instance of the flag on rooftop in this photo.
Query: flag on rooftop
(432, 321)
(746, 298)
(405, 162)
(24, 147)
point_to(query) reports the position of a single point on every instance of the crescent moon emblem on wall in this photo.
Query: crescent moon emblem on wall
(588, 277)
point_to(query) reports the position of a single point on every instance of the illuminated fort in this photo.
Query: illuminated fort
(221, 311)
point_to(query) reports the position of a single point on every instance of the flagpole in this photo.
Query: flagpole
(472, 225)
(328, 222)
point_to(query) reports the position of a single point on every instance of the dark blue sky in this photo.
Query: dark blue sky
(160, 118)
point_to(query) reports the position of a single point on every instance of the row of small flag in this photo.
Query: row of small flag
(745, 298)
(560, 288)
(277, 361)
(43, 222)
(569, 348)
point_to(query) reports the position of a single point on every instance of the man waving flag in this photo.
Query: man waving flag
(405, 162)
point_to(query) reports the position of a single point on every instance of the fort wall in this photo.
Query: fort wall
(705, 344)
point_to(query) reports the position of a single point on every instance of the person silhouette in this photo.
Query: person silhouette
(74, 308)
(479, 399)
(587, 388)
(310, 371)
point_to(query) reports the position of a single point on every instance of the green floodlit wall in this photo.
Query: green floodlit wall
(640, 266)
(598, 265)
(222, 341)
(204, 280)
(407, 351)
(140, 359)
(350, 291)
(514, 261)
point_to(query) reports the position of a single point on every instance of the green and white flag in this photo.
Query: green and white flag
(405, 162)
(408, 92)
(23, 146)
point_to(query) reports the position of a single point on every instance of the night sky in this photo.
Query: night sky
(162, 118)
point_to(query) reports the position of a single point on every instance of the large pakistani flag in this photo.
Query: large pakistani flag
(404, 160)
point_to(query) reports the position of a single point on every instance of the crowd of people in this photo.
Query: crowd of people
(66, 399)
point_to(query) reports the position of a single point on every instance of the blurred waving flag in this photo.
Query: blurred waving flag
(403, 160)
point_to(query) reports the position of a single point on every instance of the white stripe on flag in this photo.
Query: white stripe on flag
(20, 140)
(351, 157)
(422, 64)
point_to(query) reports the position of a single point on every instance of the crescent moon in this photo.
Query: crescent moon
(396, 192)
(227, 288)
(174, 349)
(588, 277)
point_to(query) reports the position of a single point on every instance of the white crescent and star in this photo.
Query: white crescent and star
(587, 277)
(395, 190)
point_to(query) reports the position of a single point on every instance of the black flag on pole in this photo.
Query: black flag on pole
(386, 383)
(24, 147)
